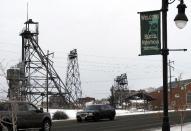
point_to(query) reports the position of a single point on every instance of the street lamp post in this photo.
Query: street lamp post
(180, 21)
(165, 52)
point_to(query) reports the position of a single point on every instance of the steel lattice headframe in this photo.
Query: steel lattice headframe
(73, 82)
(41, 79)
(120, 90)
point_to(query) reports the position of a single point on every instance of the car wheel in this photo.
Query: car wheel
(79, 120)
(96, 118)
(46, 125)
(112, 118)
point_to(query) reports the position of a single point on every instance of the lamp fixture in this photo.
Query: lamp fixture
(181, 18)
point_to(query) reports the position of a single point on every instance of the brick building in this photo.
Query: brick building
(179, 96)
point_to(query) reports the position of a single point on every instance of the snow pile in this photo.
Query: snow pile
(122, 112)
(185, 127)
(70, 113)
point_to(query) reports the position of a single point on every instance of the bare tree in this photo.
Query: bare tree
(180, 105)
(3, 74)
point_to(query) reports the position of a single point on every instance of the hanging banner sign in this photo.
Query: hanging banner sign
(150, 33)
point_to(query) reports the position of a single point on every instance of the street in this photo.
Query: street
(142, 122)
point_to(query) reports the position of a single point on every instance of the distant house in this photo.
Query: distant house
(139, 100)
(179, 95)
(85, 100)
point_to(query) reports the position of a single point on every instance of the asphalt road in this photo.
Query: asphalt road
(143, 122)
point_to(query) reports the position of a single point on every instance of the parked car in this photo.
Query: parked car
(27, 116)
(96, 112)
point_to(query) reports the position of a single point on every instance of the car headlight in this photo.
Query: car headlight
(90, 114)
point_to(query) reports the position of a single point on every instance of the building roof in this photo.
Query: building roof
(180, 83)
(140, 96)
(177, 83)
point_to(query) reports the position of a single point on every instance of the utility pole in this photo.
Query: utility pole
(112, 99)
(47, 72)
(170, 83)
(47, 81)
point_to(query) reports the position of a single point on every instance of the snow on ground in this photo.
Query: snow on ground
(72, 113)
(72, 116)
(185, 127)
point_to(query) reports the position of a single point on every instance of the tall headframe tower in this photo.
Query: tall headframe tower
(120, 90)
(41, 79)
(73, 82)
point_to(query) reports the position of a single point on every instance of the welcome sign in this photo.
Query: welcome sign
(150, 33)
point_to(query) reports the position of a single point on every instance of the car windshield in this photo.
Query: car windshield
(93, 107)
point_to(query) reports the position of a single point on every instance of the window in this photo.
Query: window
(109, 107)
(103, 107)
(31, 107)
(189, 98)
(93, 107)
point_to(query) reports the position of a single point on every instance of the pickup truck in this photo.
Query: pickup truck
(26, 116)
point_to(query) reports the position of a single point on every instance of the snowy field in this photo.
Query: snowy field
(185, 127)
(72, 116)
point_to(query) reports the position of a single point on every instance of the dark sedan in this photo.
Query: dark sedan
(96, 112)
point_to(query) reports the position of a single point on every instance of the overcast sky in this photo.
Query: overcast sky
(106, 34)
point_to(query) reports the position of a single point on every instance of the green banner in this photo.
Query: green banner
(150, 33)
